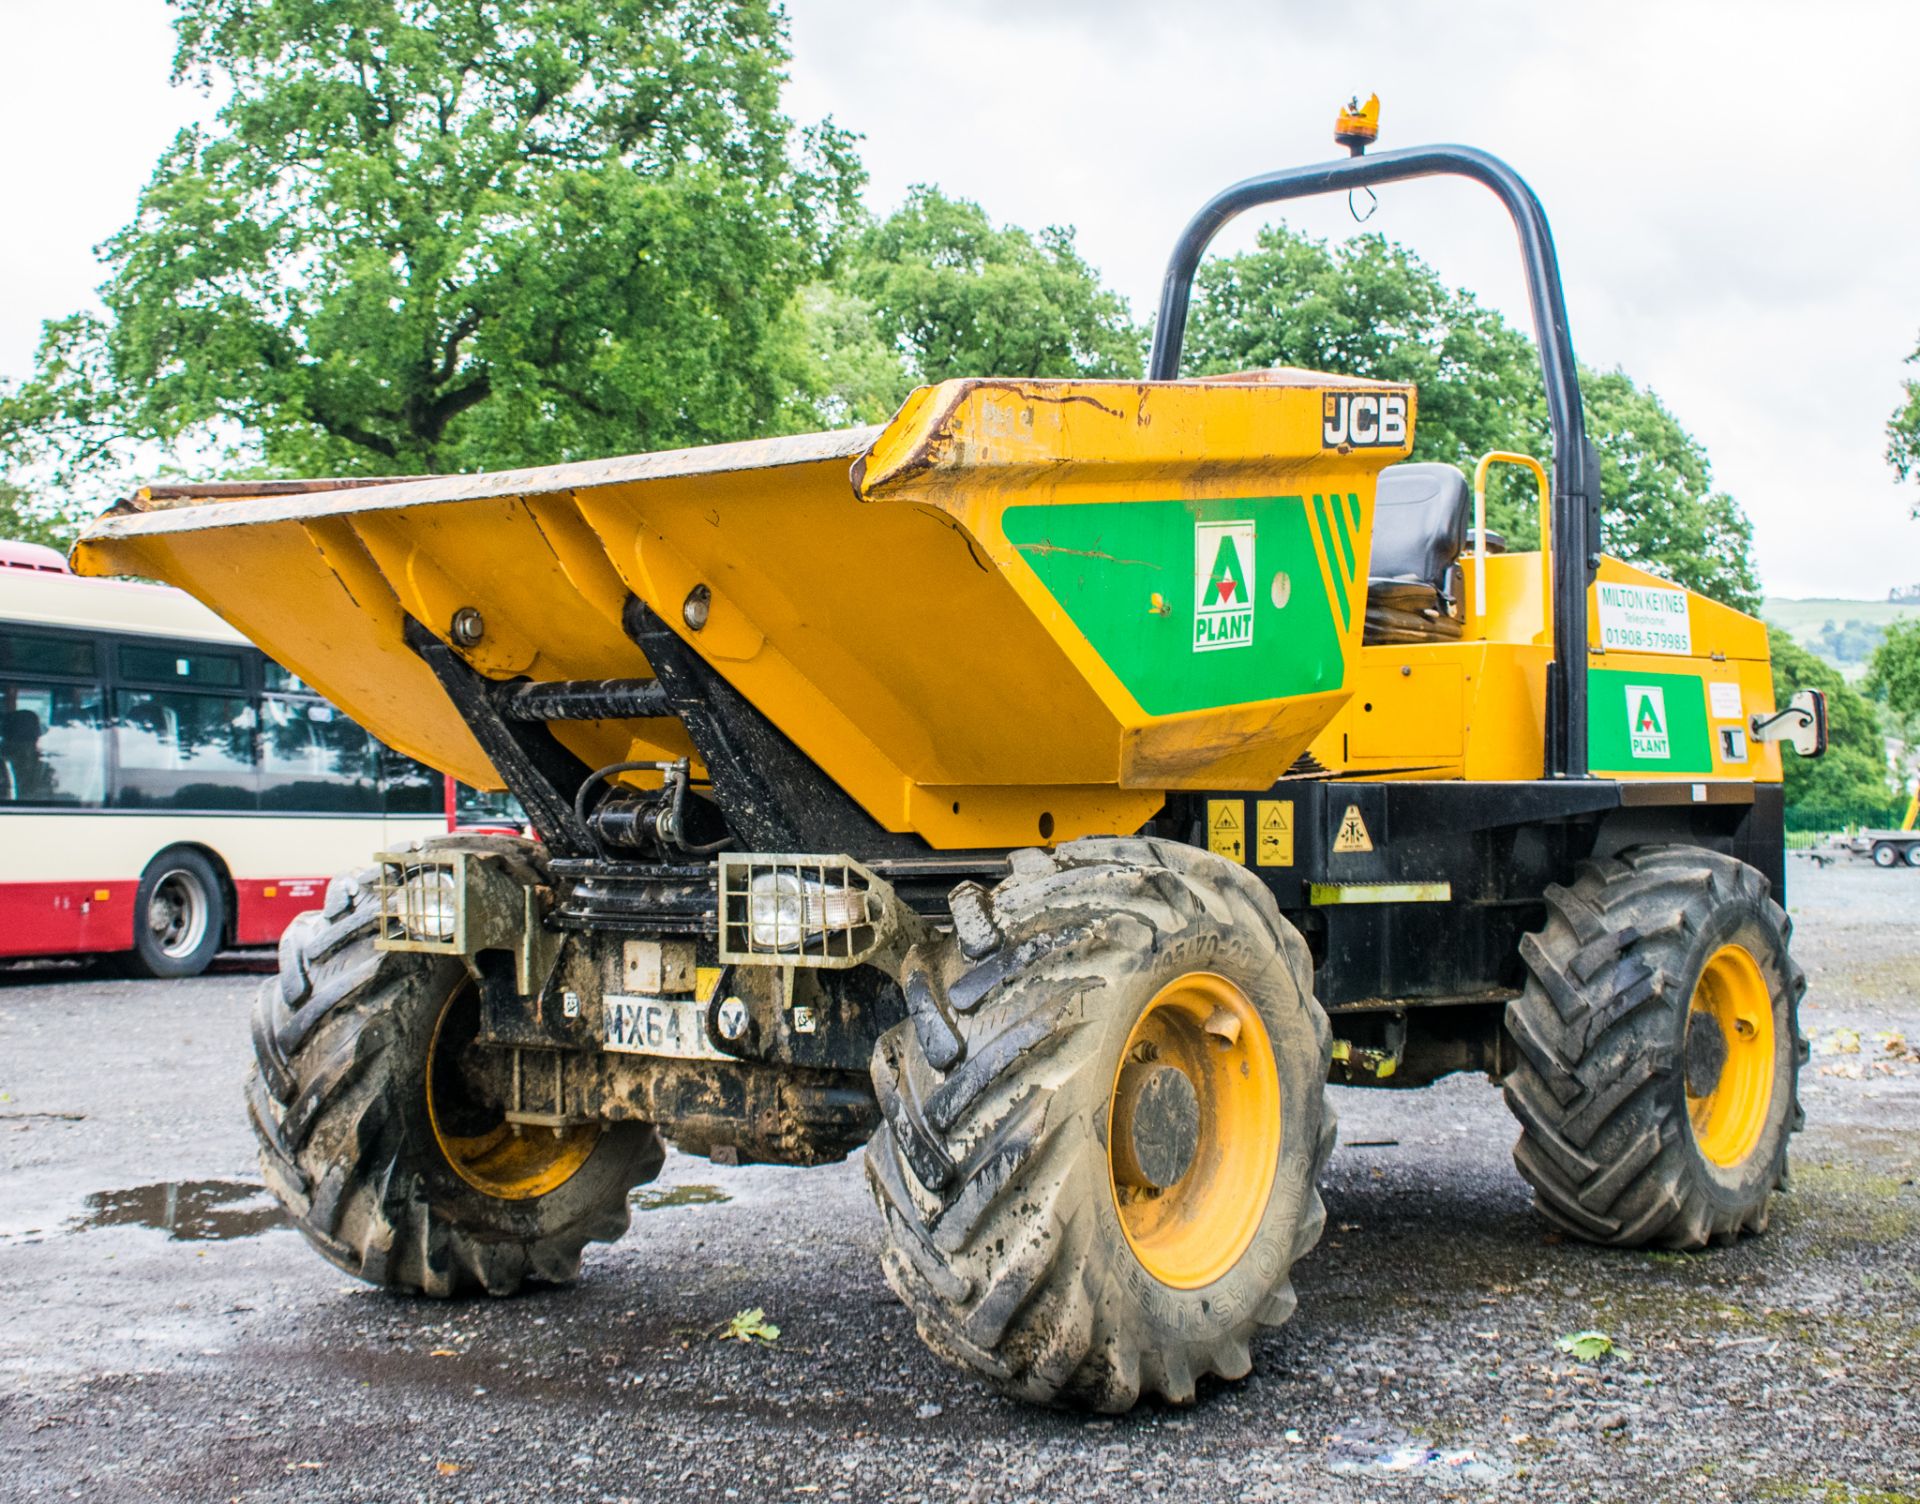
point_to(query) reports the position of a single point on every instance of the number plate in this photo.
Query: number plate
(674, 1027)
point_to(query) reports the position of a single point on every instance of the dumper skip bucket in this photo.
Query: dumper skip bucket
(1020, 611)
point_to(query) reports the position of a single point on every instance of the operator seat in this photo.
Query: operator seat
(1414, 582)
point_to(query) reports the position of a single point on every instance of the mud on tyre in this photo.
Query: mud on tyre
(1659, 1051)
(1104, 1123)
(392, 1170)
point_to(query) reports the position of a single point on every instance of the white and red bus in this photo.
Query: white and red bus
(166, 789)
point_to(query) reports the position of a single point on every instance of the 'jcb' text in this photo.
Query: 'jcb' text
(1363, 420)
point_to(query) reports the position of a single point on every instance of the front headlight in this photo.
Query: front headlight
(427, 905)
(784, 909)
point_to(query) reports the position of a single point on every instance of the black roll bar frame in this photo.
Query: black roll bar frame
(1575, 525)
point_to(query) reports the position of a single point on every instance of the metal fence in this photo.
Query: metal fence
(1811, 825)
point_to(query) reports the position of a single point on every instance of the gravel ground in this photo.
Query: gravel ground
(221, 1359)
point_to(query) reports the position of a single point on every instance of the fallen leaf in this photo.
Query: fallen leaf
(750, 1326)
(1587, 1346)
(445, 1352)
(446, 1469)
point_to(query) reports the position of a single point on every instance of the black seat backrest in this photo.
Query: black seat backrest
(1419, 523)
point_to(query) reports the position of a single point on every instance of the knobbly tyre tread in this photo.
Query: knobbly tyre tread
(336, 1100)
(996, 1241)
(1599, 1086)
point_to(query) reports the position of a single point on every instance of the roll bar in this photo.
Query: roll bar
(1575, 541)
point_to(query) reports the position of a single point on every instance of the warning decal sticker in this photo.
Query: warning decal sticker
(1227, 828)
(1273, 833)
(1353, 832)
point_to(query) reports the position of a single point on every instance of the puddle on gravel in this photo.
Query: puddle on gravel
(653, 1198)
(188, 1211)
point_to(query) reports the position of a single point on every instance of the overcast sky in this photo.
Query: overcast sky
(1731, 185)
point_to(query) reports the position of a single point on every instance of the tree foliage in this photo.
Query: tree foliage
(1853, 770)
(1371, 308)
(1893, 678)
(426, 236)
(960, 297)
(935, 290)
(24, 520)
(1903, 431)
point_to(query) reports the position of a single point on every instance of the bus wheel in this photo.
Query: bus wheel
(372, 1139)
(179, 916)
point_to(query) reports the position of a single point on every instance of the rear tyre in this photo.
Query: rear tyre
(179, 916)
(1886, 854)
(1104, 1124)
(382, 1158)
(1913, 855)
(1659, 1051)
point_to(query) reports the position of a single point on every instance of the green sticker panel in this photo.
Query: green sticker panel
(1192, 604)
(1647, 723)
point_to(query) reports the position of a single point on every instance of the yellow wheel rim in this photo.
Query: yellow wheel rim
(1193, 1130)
(478, 1142)
(1729, 1105)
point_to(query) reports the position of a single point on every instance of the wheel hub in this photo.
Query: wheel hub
(1730, 1053)
(1194, 1130)
(1156, 1126)
(1706, 1052)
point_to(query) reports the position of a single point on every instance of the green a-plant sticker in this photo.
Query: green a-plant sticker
(1646, 721)
(1223, 569)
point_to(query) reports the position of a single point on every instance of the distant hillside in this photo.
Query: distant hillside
(1843, 632)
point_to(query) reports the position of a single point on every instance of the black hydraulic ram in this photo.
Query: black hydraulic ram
(1576, 469)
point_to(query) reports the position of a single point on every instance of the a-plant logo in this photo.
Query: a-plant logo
(1646, 720)
(1223, 576)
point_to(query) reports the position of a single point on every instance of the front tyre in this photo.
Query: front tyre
(1659, 1051)
(383, 1159)
(1105, 1119)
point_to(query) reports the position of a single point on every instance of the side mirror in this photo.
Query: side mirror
(1803, 723)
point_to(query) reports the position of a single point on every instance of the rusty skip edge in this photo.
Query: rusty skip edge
(182, 509)
(932, 410)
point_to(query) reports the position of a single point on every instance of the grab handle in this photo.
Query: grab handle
(1527, 462)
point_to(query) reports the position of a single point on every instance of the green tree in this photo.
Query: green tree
(1661, 510)
(1903, 431)
(957, 296)
(439, 237)
(1893, 678)
(1853, 771)
(23, 520)
(1370, 308)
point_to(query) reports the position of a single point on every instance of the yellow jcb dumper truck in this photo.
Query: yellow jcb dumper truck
(1048, 791)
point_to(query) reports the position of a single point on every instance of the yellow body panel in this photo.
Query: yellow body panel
(1476, 708)
(865, 595)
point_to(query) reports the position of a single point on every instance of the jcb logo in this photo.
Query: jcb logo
(1363, 420)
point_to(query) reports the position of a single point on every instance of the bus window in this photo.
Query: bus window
(179, 663)
(183, 751)
(284, 681)
(313, 759)
(47, 653)
(53, 746)
(488, 807)
(411, 788)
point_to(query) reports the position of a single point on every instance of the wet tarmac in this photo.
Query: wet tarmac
(170, 1340)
